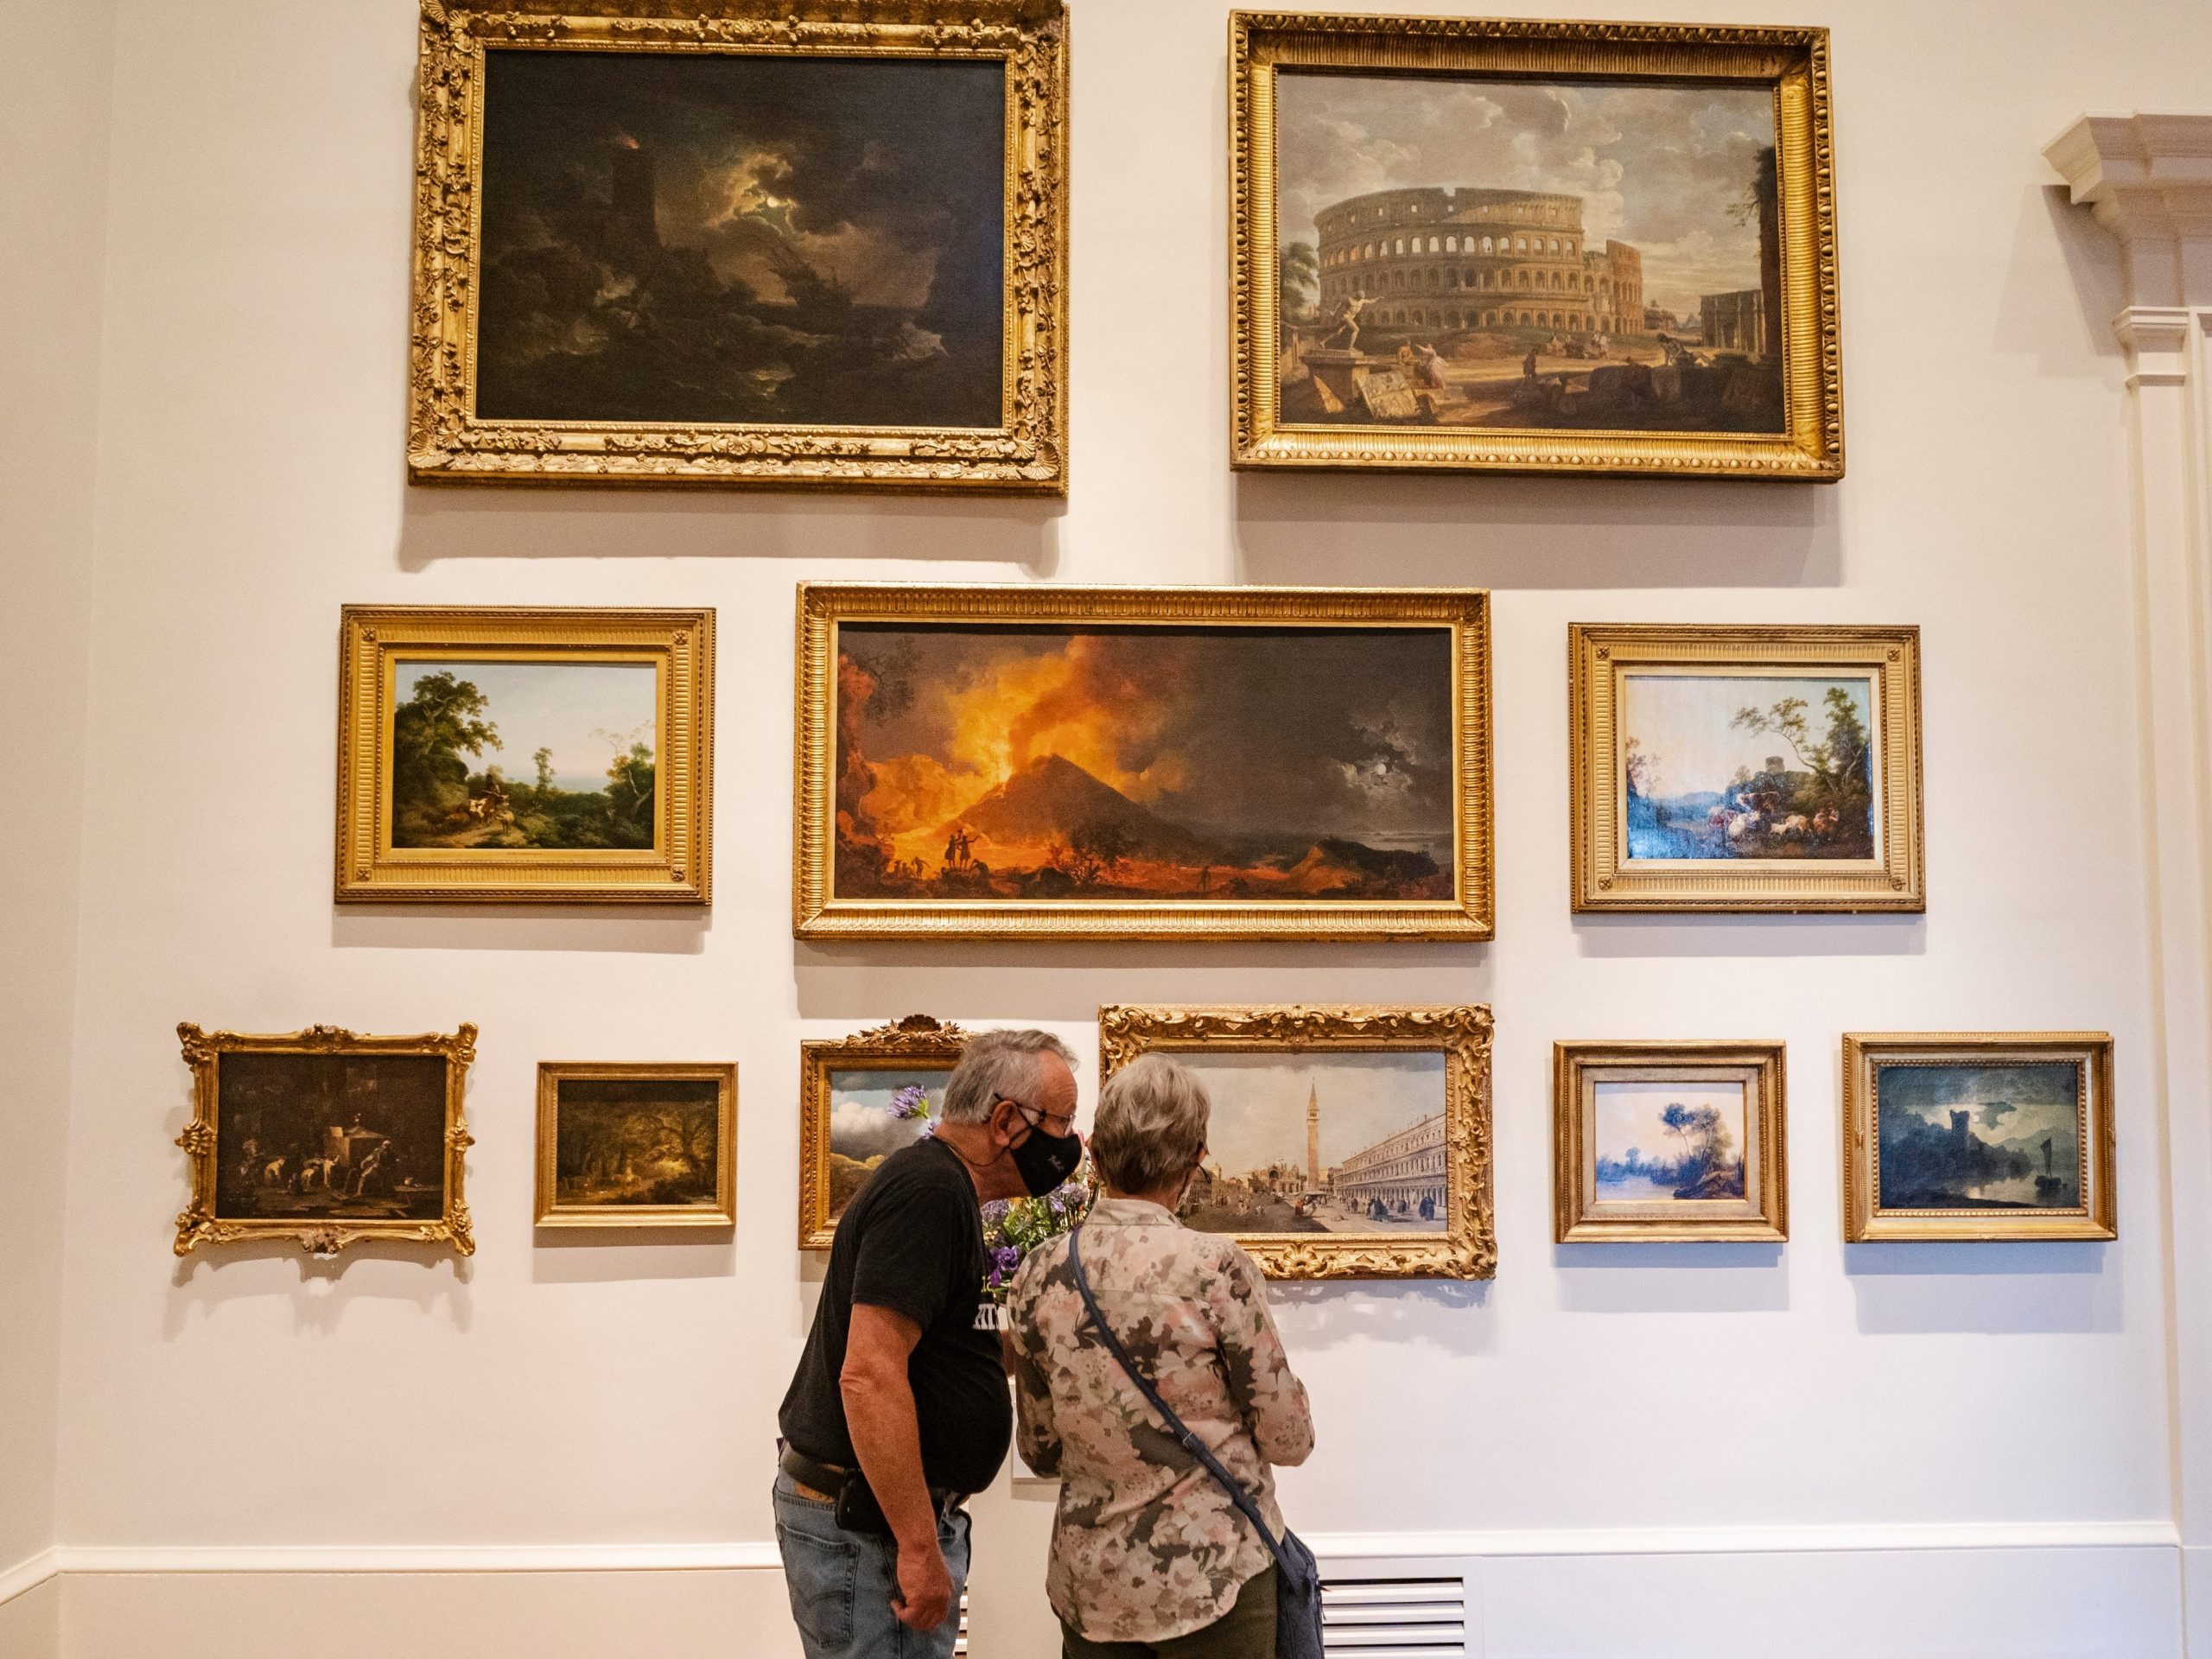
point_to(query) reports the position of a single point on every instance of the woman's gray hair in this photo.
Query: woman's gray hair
(1151, 1125)
(998, 1066)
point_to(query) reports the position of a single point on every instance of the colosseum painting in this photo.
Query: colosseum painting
(1479, 250)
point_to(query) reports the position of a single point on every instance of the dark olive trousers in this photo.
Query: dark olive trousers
(1245, 1631)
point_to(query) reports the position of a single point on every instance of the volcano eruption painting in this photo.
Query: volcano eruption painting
(1224, 770)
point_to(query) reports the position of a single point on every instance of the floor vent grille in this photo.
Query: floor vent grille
(960, 1641)
(1394, 1618)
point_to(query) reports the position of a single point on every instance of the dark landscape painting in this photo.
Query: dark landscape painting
(1971, 1135)
(636, 1140)
(315, 1137)
(717, 238)
(1112, 763)
(549, 754)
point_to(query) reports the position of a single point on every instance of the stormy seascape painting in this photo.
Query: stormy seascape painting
(1973, 1136)
(720, 237)
(1267, 763)
(331, 1137)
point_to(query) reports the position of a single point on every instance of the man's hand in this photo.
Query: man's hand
(925, 1598)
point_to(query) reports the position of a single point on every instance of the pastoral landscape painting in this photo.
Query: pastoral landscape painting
(1721, 766)
(1976, 1136)
(533, 753)
(1104, 765)
(1668, 1141)
(717, 238)
(1479, 250)
(637, 1142)
(330, 1138)
(873, 1114)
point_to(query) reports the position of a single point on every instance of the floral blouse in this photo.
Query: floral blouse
(1146, 1545)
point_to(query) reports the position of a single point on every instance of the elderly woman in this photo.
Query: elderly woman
(1151, 1558)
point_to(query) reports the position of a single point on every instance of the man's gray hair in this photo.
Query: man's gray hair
(1151, 1125)
(998, 1066)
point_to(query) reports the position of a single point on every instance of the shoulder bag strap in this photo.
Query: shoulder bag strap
(1190, 1442)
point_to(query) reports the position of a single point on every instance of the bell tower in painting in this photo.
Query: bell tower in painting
(1312, 1138)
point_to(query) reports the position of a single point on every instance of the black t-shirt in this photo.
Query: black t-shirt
(912, 1242)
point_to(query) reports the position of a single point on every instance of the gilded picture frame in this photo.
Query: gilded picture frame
(1409, 708)
(915, 1049)
(2004, 1136)
(1723, 1104)
(441, 819)
(1739, 769)
(270, 1157)
(1630, 425)
(702, 1103)
(1366, 1215)
(895, 442)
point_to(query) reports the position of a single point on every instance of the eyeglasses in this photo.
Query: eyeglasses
(1056, 1124)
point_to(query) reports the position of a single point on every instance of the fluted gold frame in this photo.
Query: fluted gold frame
(1865, 1218)
(1761, 1215)
(1598, 654)
(1468, 1249)
(200, 1224)
(1794, 61)
(917, 1043)
(550, 1212)
(817, 912)
(677, 869)
(1027, 453)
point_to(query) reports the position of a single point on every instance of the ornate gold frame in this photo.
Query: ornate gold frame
(1762, 1214)
(1469, 1249)
(1866, 1221)
(677, 870)
(199, 1224)
(549, 1211)
(1604, 879)
(915, 1042)
(823, 607)
(1793, 60)
(1027, 453)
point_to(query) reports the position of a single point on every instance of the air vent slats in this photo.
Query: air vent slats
(1394, 1618)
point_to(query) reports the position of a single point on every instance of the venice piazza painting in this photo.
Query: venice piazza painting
(1668, 1141)
(532, 754)
(1105, 764)
(1345, 1143)
(1748, 766)
(1976, 1136)
(873, 1114)
(1482, 250)
(728, 238)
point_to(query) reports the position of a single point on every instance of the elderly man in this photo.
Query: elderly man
(899, 1409)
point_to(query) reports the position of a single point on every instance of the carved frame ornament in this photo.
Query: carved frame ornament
(1794, 62)
(1467, 1248)
(200, 1223)
(1027, 453)
(917, 1042)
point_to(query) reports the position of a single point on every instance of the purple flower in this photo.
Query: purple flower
(994, 1212)
(909, 1102)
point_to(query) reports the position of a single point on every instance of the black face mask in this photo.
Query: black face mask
(1045, 1162)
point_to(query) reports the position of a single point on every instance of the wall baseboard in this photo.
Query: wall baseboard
(27, 1575)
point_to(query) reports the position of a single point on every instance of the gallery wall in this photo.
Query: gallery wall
(599, 1404)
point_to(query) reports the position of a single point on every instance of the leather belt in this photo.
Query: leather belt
(827, 1479)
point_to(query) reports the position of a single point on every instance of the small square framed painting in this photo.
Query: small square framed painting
(328, 1137)
(1978, 1135)
(647, 1145)
(776, 242)
(863, 1099)
(1511, 245)
(1345, 1142)
(1668, 1140)
(516, 756)
(1745, 768)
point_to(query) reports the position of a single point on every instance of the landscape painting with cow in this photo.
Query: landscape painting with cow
(1717, 766)
(1263, 765)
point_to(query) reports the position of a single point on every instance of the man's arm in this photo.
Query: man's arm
(888, 1439)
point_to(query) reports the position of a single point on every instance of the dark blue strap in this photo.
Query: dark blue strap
(1190, 1442)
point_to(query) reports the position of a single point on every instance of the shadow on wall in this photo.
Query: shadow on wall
(2066, 324)
(532, 522)
(1398, 1312)
(644, 930)
(1631, 936)
(1494, 531)
(1914, 1288)
(1681, 1278)
(320, 1290)
(599, 1255)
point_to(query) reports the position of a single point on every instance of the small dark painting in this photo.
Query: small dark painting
(636, 1140)
(1980, 1136)
(720, 237)
(313, 1137)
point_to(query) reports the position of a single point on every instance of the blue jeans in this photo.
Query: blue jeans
(840, 1583)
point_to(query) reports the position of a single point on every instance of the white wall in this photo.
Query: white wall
(249, 426)
(53, 79)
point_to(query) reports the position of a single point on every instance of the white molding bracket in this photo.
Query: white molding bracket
(2148, 178)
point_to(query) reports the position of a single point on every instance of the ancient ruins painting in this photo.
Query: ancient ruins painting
(724, 238)
(636, 1145)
